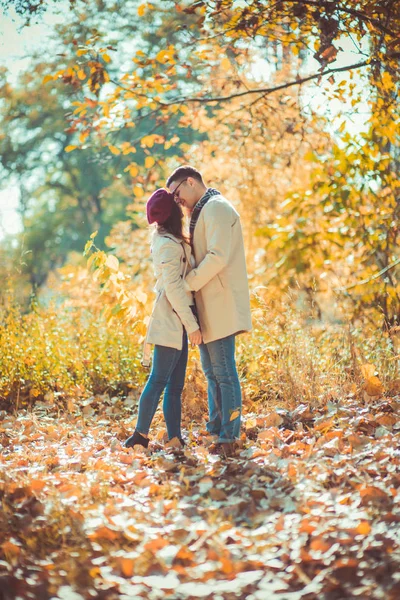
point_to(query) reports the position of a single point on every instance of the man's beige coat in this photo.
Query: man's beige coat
(220, 277)
(171, 312)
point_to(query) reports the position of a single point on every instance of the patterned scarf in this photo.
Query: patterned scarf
(197, 210)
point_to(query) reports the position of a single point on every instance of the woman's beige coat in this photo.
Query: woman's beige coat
(171, 311)
(220, 277)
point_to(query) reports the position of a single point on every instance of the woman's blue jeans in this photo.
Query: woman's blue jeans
(168, 373)
(224, 393)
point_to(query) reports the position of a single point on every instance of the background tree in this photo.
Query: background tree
(64, 195)
(161, 71)
(230, 37)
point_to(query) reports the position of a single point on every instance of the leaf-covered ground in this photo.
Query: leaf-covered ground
(309, 509)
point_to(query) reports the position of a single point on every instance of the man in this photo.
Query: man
(220, 283)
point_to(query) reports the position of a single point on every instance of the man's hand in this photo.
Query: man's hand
(196, 338)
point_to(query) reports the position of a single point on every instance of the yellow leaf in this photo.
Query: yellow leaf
(93, 235)
(225, 64)
(114, 149)
(162, 56)
(83, 136)
(70, 148)
(141, 297)
(166, 55)
(141, 10)
(91, 260)
(87, 247)
(235, 415)
(112, 262)
(148, 141)
(47, 78)
(133, 170)
(149, 162)
(81, 74)
(368, 370)
(82, 51)
(138, 191)
(387, 81)
(309, 156)
(106, 57)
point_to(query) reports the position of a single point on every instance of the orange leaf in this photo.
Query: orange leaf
(37, 485)
(104, 533)
(127, 566)
(320, 545)
(227, 565)
(374, 387)
(10, 549)
(157, 544)
(363, 528)
(306, 526)
(329, 54)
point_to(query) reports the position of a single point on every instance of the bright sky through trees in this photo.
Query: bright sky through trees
(18, 42)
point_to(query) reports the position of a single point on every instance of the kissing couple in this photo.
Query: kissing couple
(202, 297)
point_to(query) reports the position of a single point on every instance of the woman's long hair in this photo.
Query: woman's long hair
(174, 224)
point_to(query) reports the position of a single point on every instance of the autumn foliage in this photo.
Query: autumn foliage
(261, 98)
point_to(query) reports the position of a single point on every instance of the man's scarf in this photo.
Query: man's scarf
(197, 210)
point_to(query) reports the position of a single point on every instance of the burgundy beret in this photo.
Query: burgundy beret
(159, 206)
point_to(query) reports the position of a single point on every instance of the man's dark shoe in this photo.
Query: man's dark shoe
(136, 439)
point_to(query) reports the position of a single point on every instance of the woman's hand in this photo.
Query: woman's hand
(196, 338)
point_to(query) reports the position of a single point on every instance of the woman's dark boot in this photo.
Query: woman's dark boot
(136, 438)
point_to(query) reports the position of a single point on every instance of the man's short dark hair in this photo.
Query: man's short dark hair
(182, 172)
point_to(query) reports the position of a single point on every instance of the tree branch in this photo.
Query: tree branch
(261, 91)
(269, 90)
(364, 281)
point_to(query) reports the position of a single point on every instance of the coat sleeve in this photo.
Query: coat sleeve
(169, 259)
(218, 230)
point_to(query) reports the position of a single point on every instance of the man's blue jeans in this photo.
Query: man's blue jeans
(224, 393)
(168, 373)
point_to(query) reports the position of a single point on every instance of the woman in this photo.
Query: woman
(171, 322)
